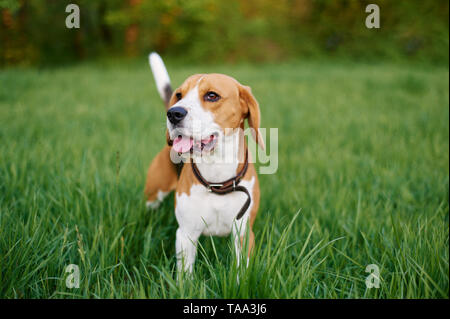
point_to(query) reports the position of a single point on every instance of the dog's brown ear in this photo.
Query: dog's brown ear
(251, 107)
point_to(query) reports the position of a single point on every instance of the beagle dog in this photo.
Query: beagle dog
(216, 187)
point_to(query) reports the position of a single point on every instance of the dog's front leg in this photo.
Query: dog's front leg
(186, 249)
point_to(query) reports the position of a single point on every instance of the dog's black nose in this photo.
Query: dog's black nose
(176, 114)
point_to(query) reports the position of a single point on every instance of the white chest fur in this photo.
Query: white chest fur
(202, 212)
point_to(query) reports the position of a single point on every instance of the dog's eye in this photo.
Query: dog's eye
(178, 96)
(211, 96)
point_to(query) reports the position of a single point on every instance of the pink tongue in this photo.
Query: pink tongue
(182, 144)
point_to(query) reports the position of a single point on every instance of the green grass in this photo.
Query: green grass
(363, 179)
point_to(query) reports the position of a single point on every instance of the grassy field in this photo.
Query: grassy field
(363, 179)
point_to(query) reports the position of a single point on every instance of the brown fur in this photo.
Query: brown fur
(161, 175)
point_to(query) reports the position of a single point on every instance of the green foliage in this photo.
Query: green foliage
(11, 5)
(215, 30)
(363, 158)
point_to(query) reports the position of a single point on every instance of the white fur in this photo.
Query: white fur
(159, 198)
(159, 73)
(205, 213)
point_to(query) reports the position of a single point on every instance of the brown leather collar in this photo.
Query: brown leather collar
(228, 186)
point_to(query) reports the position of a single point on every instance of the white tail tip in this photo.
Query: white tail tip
(161, 76)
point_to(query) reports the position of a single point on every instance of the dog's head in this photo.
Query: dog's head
(205, 107)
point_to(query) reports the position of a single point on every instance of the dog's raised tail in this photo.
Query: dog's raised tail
(161, 77)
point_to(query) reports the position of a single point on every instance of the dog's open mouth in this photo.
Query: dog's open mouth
(183, 144)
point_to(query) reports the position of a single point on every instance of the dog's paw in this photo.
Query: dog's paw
(154, 204)
(151, 205)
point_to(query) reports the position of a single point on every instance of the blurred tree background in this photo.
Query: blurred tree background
(34, 32)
